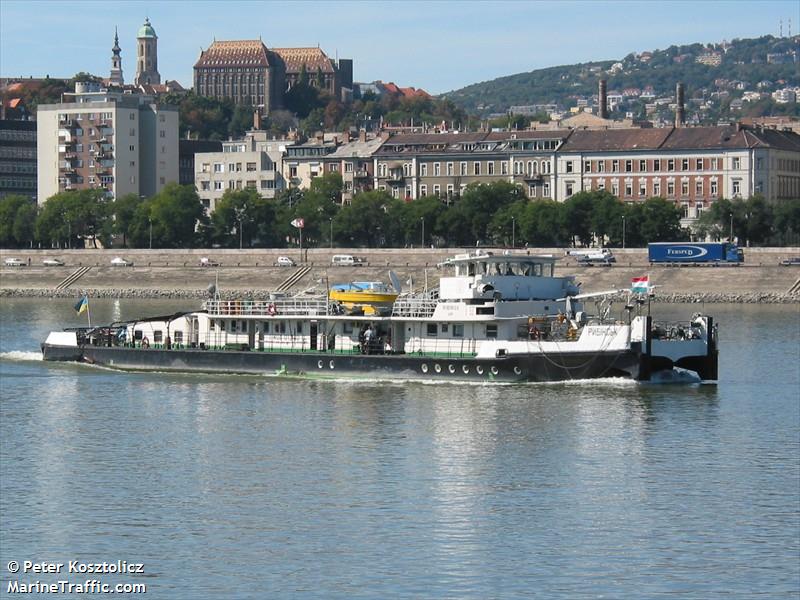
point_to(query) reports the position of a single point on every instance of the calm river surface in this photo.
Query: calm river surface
(248, 487)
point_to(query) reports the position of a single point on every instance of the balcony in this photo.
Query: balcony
(533, 178)
(395, 177)
(361, 175)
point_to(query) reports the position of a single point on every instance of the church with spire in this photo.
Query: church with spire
(116, 78)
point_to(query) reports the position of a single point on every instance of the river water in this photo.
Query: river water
(248, 487)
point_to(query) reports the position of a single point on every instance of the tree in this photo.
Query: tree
(576, 215)
(758, 221)
(74, 214)
(660, 221)
(468, 220)
(174, 214)
(787, 221)
(364, 221)
(124, 209)
(17, 221)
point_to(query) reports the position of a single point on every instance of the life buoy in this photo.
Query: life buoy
(145, 342)
(271, 309)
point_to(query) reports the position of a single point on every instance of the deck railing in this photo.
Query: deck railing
(267, 308)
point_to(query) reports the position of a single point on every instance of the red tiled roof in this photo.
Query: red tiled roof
(313, 58)
(237, 52)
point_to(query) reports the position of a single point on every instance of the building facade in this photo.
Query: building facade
(18, 158)
(147, 56)
(117, 142)
(254, 162)
(250, 74)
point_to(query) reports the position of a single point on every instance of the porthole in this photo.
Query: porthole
(320, 364)
(437, 368)
(424, 368)
(451, 368)
(330, 364)
(465, 368)
(494, 370)
(517, 371)
(479, 370)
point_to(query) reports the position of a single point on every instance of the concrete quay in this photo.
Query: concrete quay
(250, 273)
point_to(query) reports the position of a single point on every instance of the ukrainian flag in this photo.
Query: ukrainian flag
(83, 305)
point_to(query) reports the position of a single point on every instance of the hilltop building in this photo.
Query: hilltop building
(115, 78)
(248, 73)
(105, 139)
(147, 56)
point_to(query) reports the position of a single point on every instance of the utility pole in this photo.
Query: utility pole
(623, 232)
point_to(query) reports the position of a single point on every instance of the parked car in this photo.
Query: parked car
(345, 260)
(53, 262)
(791, 262)
(283, 261)
(121, 262)
(207, 262)
(14, 262)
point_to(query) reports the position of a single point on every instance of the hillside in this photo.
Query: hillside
(718, 78)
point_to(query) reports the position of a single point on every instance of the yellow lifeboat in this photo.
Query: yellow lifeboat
(368, 297)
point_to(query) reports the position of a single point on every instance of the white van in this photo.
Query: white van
(345, 260)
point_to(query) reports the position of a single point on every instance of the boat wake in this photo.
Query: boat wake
(676, 375)
(20, 355)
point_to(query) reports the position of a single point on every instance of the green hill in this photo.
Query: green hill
(750, 61)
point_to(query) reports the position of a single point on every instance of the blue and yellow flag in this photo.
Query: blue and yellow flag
(83, 305)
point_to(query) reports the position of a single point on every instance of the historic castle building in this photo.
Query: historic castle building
(249, 73)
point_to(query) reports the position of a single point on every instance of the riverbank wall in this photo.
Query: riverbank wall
(252, 273)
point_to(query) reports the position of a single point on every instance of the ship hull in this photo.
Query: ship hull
(518, 368)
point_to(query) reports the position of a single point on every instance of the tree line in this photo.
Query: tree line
(495, 214)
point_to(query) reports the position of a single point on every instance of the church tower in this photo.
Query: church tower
(147, 56)
(115, 78)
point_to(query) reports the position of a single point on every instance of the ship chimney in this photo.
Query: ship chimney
(679, 113)
(602, 100)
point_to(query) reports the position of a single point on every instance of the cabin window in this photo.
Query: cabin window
(458, 330)
(177, 337)
(432, 329)
(212, 324)
(158, 336)
(137, 335)
(280, 327)
(299, 327)
(522, 331)
(233, 327)
(347, 327)
(444, 327)
(265, 326)
(491, 331)
(243, 326)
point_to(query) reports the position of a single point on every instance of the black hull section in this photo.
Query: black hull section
(510, 369)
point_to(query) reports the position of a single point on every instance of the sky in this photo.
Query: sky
(437, 46)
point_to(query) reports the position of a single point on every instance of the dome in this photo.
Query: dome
(146, 30)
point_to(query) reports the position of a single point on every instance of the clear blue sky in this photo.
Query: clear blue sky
(438, 46)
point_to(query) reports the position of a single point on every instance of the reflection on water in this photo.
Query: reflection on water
(314, 488)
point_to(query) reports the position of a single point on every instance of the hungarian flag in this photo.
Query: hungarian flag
(640, 285)
(299, 223)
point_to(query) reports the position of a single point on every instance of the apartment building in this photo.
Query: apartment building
(18, 158)
(353, 160)
(691, 166)
(415, 165)
(254, 162)
(119, 142)
(303, 162)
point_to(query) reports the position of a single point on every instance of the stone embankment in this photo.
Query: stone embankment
(253, 274)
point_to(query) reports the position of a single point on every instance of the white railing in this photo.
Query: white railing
(414, 307)
(267, 308)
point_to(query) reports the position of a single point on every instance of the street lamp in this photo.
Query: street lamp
(330, 239)
(623, 231)
(150, 221)
(513, 232)
(422, 220)
(731, 236)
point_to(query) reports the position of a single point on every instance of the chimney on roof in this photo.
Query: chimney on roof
(680, 118)
(602, 99)
(257, 119)
(362, 135)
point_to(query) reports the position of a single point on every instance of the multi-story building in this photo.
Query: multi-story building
(354, 161)
(253, 162)
(18, 158)
(248, 73)
(303, 162)
(187, 150)
(691, 166)
(121, 143)
(413, 166)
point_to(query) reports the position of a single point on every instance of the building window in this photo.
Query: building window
(504, 168)
(546, 190)
(684, 210)
(698, 164)
(615, 189)
(601, 166)
(217, 185)
(205, 185)
(656, 188)
(423, 190)
(251, 166)
(490, 168)
(587, 166)
(684, 188)
(162, 133)
(450, 190)
(698, 187)
(698, 209)
(713, 187)
(462, 168)
(736, 162)
(657, 164)
(218, 167)
(476, 168)
(423, 169)
(615, 166)
(736, 187)
(450, 168)
(348, 167)
(569, 189)
(671, 164)
(642, 166)
(628, 189)
(437, 190)
(568, 166)
(670, 188)
(685, 164)
(642, 187)
(628, 166)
